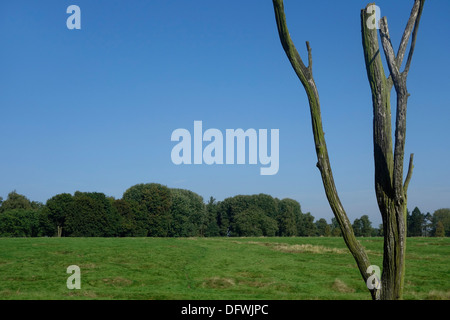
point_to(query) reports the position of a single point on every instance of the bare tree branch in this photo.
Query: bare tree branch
(402, 96)
(310, 61)
(409, 175)
(389, 50)
(399, 81)
(414, 37)
(407, 33)
(323, 163)
(294, 57)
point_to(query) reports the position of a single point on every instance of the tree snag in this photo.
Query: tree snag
(390, 189)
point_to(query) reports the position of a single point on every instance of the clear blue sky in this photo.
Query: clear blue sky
(94, 109)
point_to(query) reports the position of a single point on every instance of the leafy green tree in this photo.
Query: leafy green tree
(427, 227)
(16, 201)
(268, 225)
(327, 231)
(36, 205)
(153, 202)
(375, 232)
(254, 222)
(127, 218)
(265, 202)
(46, 226)
(245, 223)
(335, 228)
(91, 214)
(362, 227)
(442, 215)
(415, 223)
(57, 209)
(21, 217)
(222, 217)
(306, 226)
(180, 223)
(211, 225)
(230, 207)
(366, 226)
(188, 214)
(19, 223)
(440, 230)
(357, 227)
(226, 211)
(323, 229)
(289, 212)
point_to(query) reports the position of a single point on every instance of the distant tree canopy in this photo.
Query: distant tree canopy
(440, 229)
(20, 217)
(153, 203)
(288, 217)
(91, 214)
(154, 210)
(425, 225)
(188, 214)
(17, 201)
(19, 223)
(57, 209)
(443, 216)
(363, 227)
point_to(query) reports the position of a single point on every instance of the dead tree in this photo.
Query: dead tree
(391, 190)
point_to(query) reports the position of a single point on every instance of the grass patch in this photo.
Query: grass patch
(438, 295)
(307, 248)
(218, 283)
(341, 286)
(210, 268)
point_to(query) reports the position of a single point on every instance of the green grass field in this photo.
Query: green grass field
(210, 268)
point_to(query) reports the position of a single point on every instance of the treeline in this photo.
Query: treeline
(428, 225)
(154, 210)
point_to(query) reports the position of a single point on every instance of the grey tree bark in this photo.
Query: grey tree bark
(390, 189)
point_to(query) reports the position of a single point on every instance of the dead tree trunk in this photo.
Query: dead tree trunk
(390, 189)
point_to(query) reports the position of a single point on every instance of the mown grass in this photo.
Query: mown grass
(210, 268)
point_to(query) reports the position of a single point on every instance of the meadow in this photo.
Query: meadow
(210, 268)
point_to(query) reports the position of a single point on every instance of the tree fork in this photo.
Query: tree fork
(390, 189)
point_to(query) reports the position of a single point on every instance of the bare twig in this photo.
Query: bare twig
(389, 50)
(310, 61)
(410, 171)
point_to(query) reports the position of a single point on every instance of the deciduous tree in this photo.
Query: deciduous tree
(16, 201)
(154, 201)
(442, 215)
(440, 231)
